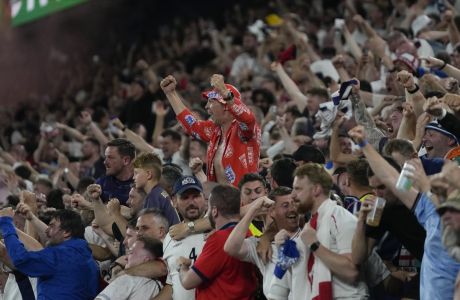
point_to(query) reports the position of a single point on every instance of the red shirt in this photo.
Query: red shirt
(224, 277)
(241, 144)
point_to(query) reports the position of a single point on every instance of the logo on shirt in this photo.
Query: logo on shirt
(251, 155)
(243, 160)
(228, 151)
(238, 109)
(244, 127)
(190, 120)
(207, 132)
(230, 174)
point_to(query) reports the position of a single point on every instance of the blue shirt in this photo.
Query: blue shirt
(65, 271)
(114, 188)
(432, 165)
(439, 270)
(159, 198)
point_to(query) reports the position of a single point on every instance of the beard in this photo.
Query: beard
(451, 240)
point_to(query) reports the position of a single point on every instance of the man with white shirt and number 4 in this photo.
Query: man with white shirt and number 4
(191, 205)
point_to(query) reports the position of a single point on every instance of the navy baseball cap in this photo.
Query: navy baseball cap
(438, 127)
(185, 183)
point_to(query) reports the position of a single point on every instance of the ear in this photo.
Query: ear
(127, 160)
(67, 234)
(347, 180)
(149, 174)
(271, 212)
(162, 232)
(317, 190)
(214, 212)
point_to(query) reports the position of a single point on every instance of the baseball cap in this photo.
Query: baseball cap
(438, 127)
(409, 60)
(213, 94)
(452, 202)
(185, 183)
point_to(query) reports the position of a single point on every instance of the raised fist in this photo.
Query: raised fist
(94, 191)
(168, 85)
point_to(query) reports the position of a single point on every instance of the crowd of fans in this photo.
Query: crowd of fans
(243, 160)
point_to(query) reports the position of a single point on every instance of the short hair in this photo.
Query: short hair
(70, 222)
(282, 171)
(389, 160)
(279, 191)
(399, 145)
(250, 177)
(23, 171)
(316, 174)
(158, 216)
(174, 135)
(356, 170)
(170, 174)
(132, 223)
(152, 245)
(148, 161)
(226, 199)
(124, 147)
(294, 111)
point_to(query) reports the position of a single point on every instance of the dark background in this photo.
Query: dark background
(33, 56)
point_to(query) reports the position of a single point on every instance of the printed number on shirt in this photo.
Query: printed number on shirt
(192, 255)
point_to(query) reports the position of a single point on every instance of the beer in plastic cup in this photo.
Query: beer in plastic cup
(374, 216)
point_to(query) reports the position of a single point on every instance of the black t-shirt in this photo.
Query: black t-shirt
(403, 225)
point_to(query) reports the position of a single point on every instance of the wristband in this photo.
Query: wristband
(414, 90)
(362, 144)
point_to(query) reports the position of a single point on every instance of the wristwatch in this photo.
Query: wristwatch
(314, 246)
(229, 96)
(191, 226)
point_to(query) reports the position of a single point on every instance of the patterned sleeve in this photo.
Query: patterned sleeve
(245, 118)
(199, 129)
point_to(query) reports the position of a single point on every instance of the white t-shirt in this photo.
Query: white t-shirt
(294, 284)
(267, 270)
(11, 290)
(130, 287)
(341, 236)
(341, 239)
(190, 247)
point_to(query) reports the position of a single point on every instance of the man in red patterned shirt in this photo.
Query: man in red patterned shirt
(232, 132)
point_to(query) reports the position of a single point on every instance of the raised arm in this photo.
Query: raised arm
(432, 62)
(168, 85)
(290, 86)
(86, 119)
(133, 137)
(101, 214)
(235, 245)
(381, 168)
